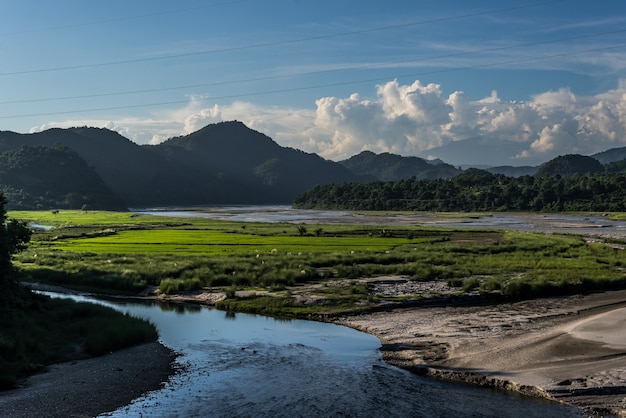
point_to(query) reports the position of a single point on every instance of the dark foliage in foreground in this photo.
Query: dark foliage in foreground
(36, 330)
(45, 331)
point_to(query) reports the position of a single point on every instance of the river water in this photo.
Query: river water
(596, 225)
(240, 365)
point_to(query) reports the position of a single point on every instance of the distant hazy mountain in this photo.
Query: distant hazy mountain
(568, 165)
(611, 155)
(479, 151)
(390, 167)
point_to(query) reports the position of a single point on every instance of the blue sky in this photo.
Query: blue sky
(330, 77)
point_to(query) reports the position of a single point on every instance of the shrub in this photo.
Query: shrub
(470, 284)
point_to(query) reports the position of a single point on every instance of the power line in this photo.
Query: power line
(284, 42)
(117, 19)
(293, 89)
(359, 67)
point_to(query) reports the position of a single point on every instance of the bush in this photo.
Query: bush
(470, 284)
(517, 289)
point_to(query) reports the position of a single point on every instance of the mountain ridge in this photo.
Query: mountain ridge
(222, 163)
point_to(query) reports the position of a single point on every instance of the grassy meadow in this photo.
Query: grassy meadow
(126, 253)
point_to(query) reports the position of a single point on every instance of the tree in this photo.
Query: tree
(14, 235)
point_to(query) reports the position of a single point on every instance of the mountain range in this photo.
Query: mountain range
(223, 163)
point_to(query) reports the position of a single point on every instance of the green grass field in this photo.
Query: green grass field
(124, 253)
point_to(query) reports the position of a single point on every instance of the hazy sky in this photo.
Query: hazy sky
(330, 77)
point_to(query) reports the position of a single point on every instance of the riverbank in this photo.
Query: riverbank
(90, 387)
(569, 349)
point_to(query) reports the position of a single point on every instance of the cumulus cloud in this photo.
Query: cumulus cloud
(413, 119)
(408, 119)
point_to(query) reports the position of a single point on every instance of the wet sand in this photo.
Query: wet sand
(570, 349)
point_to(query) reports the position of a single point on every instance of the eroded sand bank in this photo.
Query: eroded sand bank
(571, 349)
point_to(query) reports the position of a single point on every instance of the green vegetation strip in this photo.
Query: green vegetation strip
(123, 253)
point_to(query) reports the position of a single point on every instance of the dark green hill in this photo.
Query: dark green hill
(249, 165)
(391, 167)
(137, 176)
(52, 177)
(568, 165)
(616, 166)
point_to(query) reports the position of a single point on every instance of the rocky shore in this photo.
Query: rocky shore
(87, 388)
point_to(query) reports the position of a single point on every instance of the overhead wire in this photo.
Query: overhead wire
(117, 19)
(293, 89)
(302, 74)
(308, 73)
(280, 43)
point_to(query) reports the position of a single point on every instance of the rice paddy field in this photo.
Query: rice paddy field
(128, 253)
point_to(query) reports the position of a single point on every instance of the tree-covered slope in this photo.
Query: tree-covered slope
(52, 177)
(250, 164)
(568, 165)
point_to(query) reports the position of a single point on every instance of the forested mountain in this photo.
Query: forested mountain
(52, 177)
(135, 175)
(248, 166)
(389, 167)
(224, 163)
(228, 163)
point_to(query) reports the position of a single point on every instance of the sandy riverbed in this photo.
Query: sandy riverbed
(571, 349)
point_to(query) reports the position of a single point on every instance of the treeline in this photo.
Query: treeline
(477, 190)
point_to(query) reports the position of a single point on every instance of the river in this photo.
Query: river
(594, 225)
(240, 365)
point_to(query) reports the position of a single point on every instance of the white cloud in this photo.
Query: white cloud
(407, 120)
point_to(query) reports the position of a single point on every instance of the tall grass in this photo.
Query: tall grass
(46, 331)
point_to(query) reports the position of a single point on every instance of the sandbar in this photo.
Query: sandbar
(568, 349)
